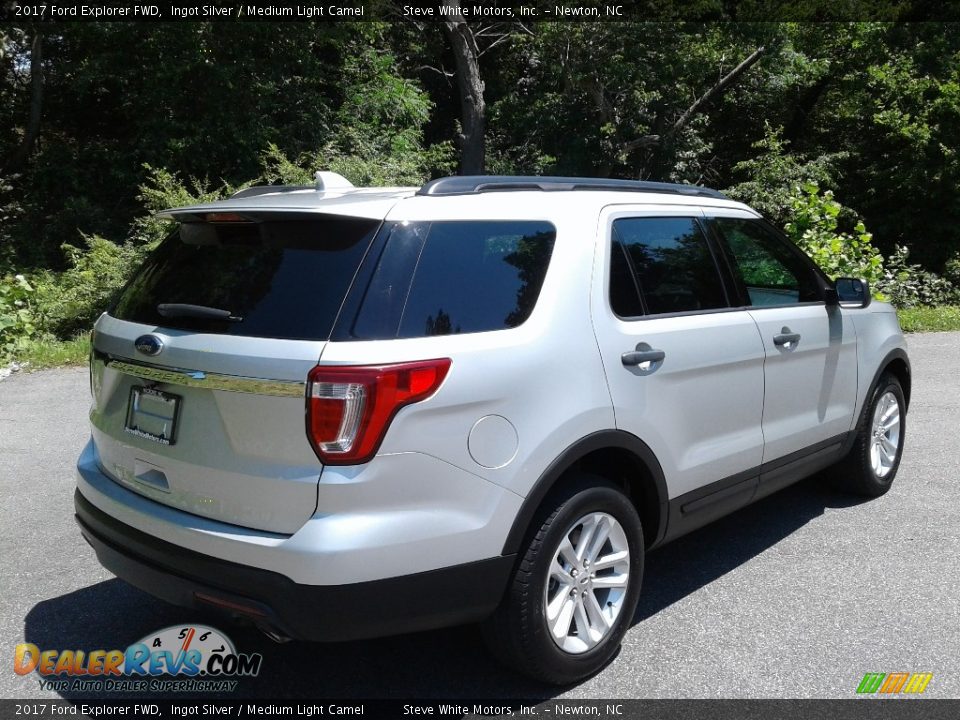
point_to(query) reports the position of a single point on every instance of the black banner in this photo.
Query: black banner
(477, 10)
(861, 709)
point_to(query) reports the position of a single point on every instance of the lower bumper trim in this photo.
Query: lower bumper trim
(439, 598)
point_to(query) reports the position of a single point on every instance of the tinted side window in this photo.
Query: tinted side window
(455, 277)
(771, 271)
(624, 296)
(672, 263)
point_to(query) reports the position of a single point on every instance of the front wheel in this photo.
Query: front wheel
(575, 589)
(873, 461)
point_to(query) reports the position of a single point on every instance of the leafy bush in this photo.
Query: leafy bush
(951, 270)
(373, 134)
(908, 286)
(362, 160)
(772, 177)
(814, 227)
(69, 302)
(786, 188)
(164, 189)
(16, 314)
(10, 212)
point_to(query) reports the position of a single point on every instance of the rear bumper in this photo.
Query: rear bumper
(437, 598)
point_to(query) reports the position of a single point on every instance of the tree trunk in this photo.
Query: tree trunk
(21, 154)
(473, 110)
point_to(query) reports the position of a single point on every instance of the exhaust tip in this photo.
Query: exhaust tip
(273, 634)
(245, 611)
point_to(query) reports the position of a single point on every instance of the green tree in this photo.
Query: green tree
(627, 99)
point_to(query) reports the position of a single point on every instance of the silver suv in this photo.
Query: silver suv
(347, 412)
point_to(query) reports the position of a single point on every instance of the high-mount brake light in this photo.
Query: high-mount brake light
(225, 217)
(349, 408)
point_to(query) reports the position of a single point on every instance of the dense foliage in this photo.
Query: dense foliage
(814, 226)
(16, 315)
(830, 129)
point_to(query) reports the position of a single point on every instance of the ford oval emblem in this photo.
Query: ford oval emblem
(149, 344)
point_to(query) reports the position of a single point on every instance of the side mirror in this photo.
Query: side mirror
(853, 292)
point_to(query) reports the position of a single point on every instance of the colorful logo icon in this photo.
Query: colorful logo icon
(891, 683)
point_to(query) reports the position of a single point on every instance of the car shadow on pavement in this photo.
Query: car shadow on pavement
(449, 663)
(695, 560)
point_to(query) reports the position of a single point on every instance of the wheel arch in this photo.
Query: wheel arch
(897, 364)
(614, 455)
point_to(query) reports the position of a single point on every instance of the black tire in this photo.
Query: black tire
(518, 633)
(856, 473)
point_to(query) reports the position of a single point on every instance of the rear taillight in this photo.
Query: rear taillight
(90, 356)
(349, 408)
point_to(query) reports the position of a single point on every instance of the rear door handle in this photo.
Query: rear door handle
(638, 357)
(786, 338)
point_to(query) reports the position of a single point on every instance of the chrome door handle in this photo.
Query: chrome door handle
(638, 357)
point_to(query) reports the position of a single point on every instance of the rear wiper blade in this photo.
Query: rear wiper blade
(172, 310)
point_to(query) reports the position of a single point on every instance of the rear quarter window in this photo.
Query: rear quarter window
(445, 278)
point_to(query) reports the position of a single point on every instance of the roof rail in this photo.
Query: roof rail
(264, 189)
(470, 184)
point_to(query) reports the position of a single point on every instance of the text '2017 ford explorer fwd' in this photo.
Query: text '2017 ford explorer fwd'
(347, 412)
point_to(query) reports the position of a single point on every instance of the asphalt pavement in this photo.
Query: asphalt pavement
(796, 596)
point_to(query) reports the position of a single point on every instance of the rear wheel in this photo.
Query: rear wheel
(873, 461)
(575, 589)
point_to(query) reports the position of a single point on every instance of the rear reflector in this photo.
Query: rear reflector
(349, 408)
(220, 602)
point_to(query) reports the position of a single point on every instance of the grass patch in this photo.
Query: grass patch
(930, 319)
(39, 354)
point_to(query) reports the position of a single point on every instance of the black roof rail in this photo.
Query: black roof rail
(469, 184)
(264, 189)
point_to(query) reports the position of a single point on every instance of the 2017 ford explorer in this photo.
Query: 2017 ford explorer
(347, 412)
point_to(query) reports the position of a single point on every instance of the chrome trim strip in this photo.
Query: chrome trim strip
(210, 381)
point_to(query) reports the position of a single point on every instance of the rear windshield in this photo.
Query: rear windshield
(446, 278)
(279, 279)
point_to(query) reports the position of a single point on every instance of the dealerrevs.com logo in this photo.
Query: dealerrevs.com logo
(191, 658)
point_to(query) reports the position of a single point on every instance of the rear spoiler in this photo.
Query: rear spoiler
(370, 203)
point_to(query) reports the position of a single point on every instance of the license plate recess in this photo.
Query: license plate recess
(153, 415)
